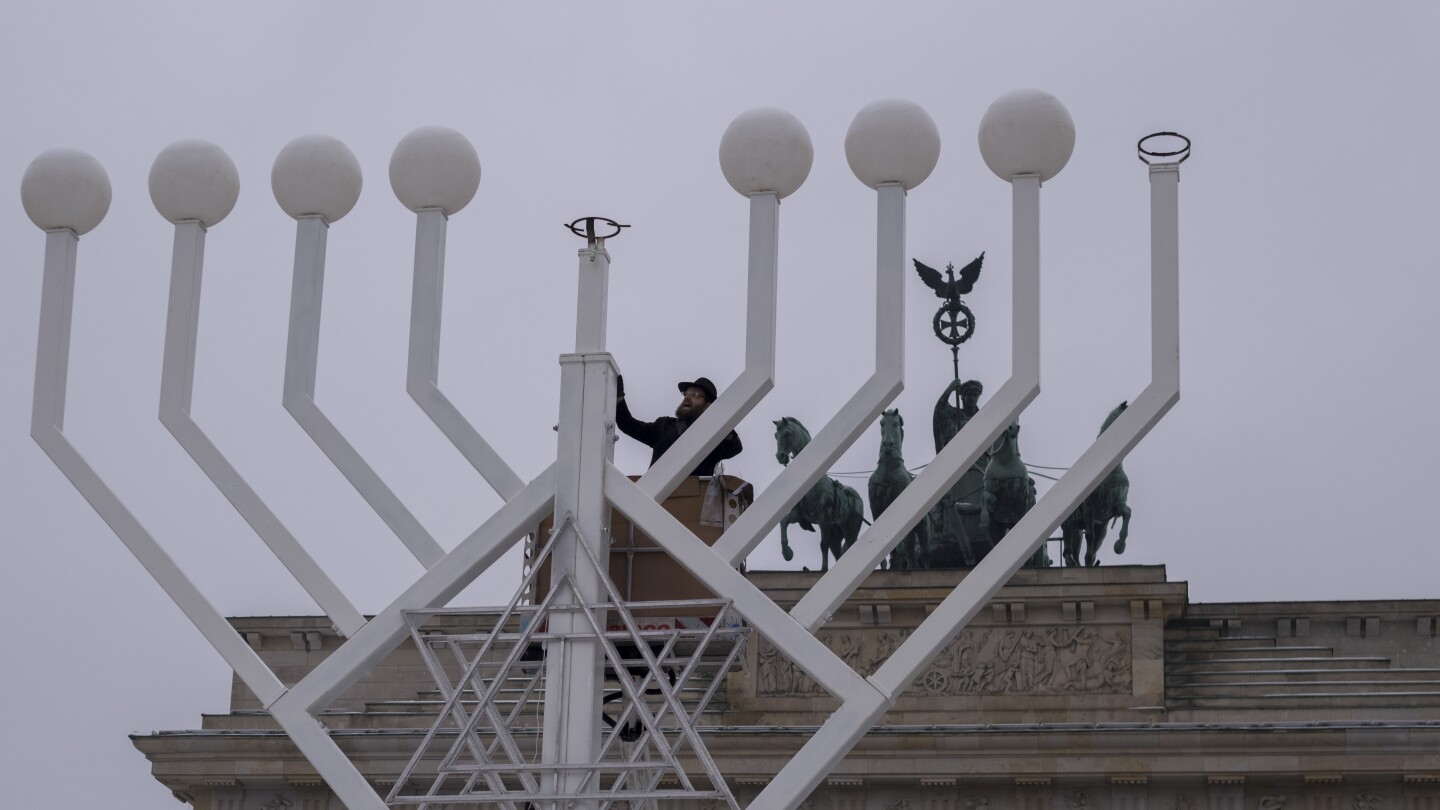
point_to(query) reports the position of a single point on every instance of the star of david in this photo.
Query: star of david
(489, 754)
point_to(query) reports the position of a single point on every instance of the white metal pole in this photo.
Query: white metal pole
(1165, 274)
(573, 666)
(52, 359)
(761, 285)
(890, 281)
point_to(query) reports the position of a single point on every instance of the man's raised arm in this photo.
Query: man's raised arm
(643, 432)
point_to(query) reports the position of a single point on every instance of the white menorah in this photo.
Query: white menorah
(1026, 137)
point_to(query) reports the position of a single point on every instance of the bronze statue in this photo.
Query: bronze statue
(956, 536)
(949, 419)
(887, 482)
(831, 505)
(1098, 511)
(1009, 490)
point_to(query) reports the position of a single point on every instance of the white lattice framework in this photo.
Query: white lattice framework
(892, 146)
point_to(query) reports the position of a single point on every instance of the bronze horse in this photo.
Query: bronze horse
(831, 505)
(1009, 491)
(887, 482)
(1098, 511)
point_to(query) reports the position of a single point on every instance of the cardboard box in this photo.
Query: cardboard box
(640, 569)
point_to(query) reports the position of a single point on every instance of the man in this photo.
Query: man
(666, 430)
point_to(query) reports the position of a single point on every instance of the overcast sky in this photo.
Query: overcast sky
(1296, 465)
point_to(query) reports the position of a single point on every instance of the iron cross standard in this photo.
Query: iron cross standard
(954, 322)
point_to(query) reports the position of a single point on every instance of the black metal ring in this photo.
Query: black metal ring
(589, 230)
(1183, 151)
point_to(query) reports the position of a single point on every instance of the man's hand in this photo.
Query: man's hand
(619, 386)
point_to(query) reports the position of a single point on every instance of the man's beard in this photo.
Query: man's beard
(688, 416)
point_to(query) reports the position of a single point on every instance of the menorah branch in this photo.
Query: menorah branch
(423, 370)
(1094, 464)
(863, 407)
(57, 300)
(815, 608)
(758, 377)
(177, 380)
(301, 357)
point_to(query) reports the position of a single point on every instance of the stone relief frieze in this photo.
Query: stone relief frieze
(1367, 801)
(991, 661)
(780, 677)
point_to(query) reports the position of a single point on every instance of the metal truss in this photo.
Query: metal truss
(490, 678)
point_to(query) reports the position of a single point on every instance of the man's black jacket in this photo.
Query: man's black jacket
(663, 432)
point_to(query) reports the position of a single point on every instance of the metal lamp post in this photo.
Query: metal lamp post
(1026, 138)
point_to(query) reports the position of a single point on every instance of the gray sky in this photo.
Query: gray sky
(1296, 465)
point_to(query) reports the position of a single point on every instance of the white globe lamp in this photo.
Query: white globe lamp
(766, 150)
(65, 188)
(892, 141)
(194, 180)
(435, 167)
(1027, 132)
(316, 175)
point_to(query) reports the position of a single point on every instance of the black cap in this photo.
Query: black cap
(704, 384)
